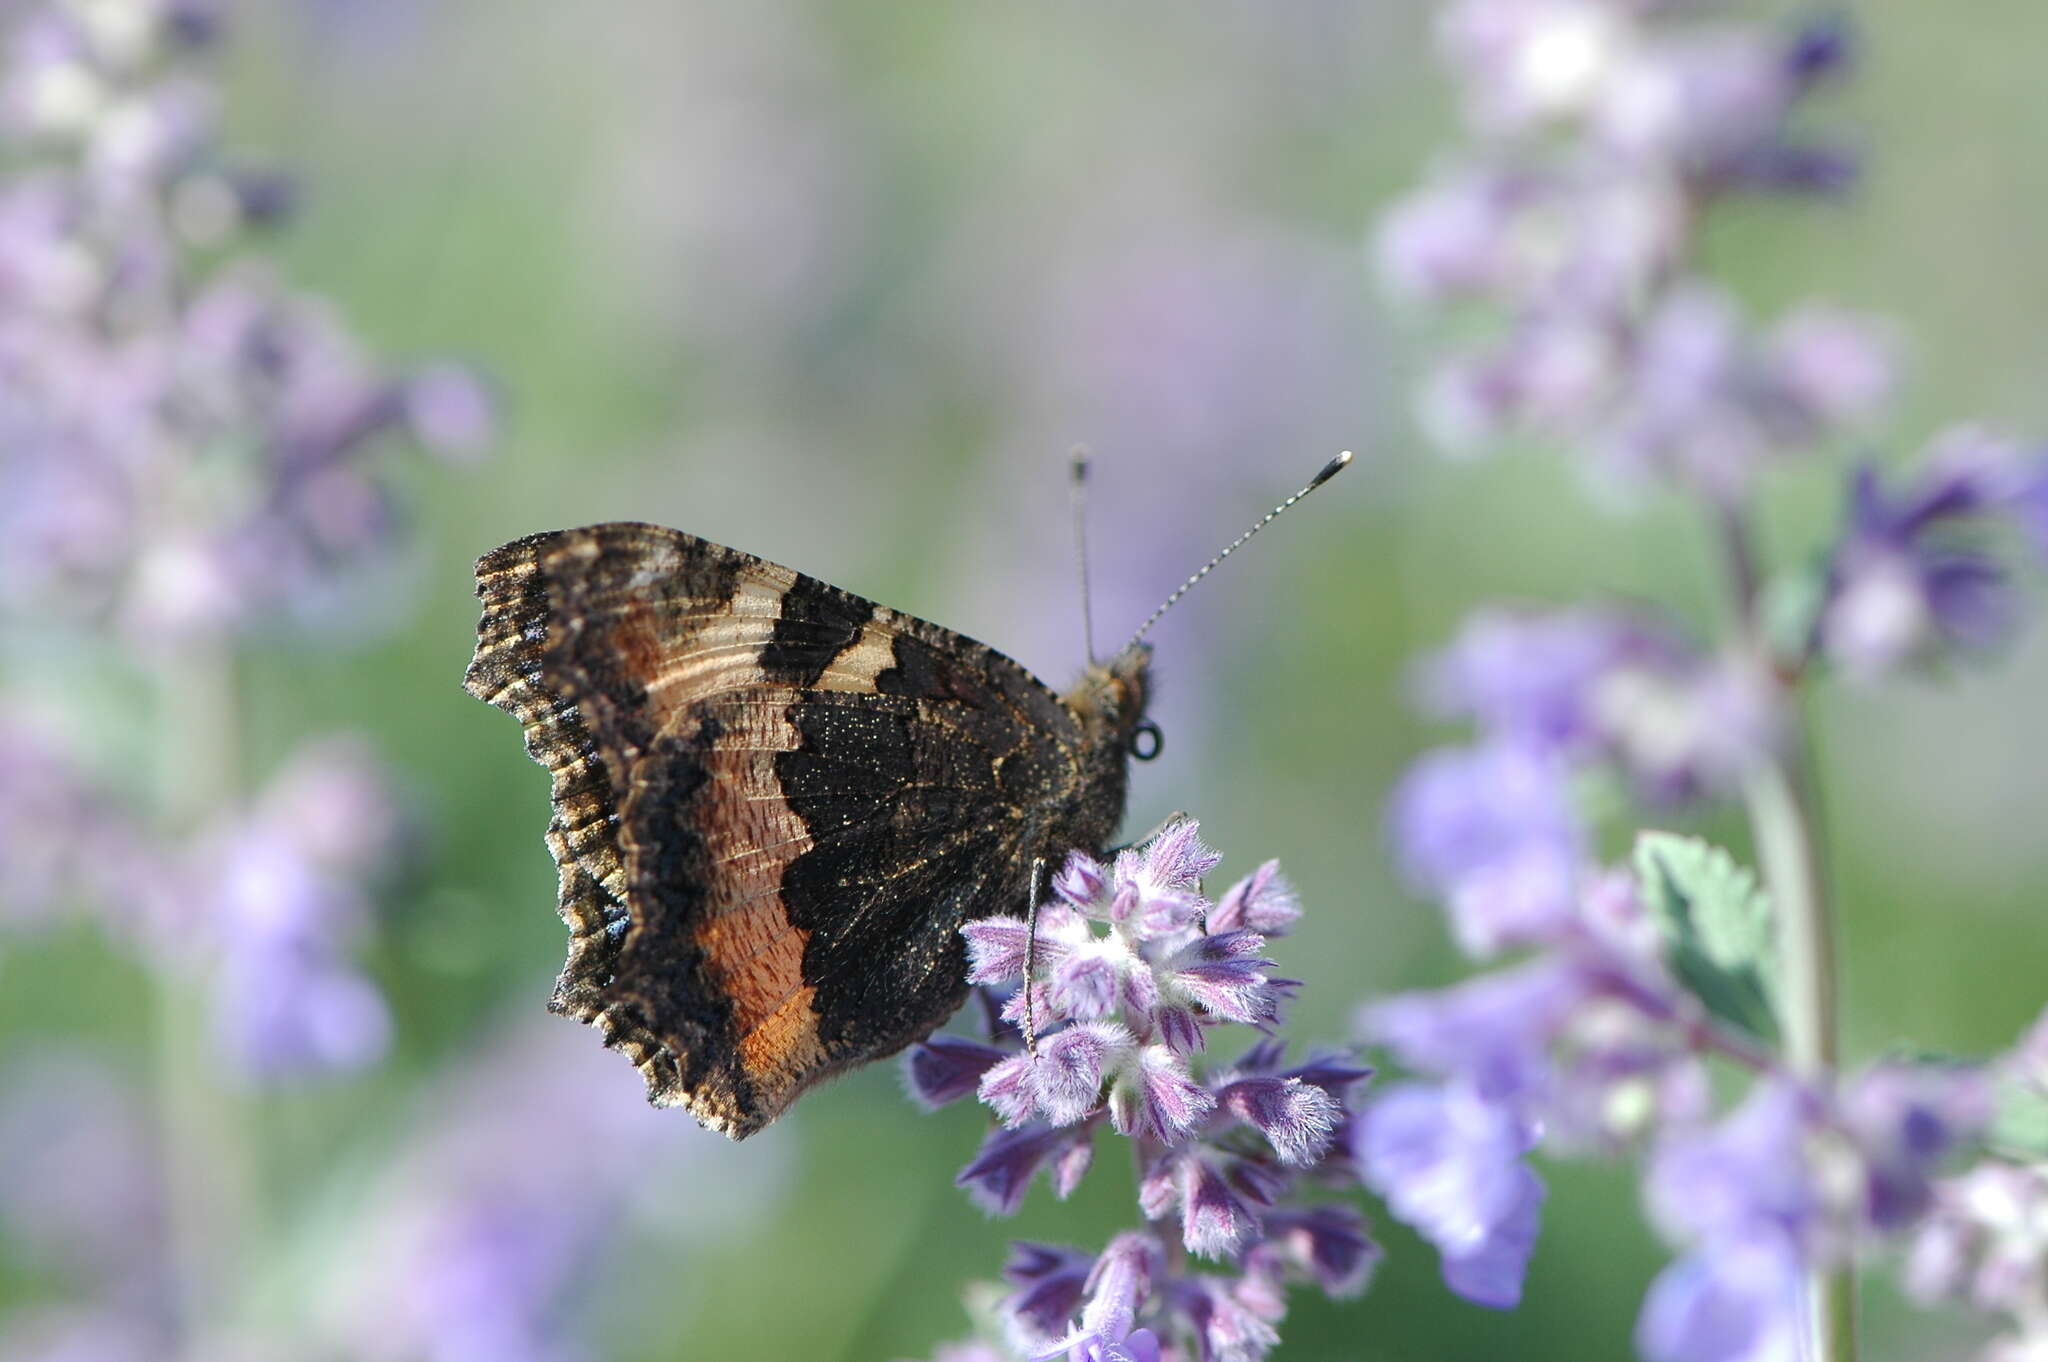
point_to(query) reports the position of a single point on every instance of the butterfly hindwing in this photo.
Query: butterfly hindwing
(775, 802)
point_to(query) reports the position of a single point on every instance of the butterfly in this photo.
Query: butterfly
(776, 802)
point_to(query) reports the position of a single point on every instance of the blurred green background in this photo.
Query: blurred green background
(840, 283)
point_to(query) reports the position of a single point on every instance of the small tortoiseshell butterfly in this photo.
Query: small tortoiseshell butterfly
(775, 802)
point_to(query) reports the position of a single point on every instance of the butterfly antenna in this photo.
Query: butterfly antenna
(1330, 470)
(1077, 486)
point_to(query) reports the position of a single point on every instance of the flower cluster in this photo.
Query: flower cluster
(1603, 132)
(1495, 829)
(1913, 576)
(186, 454)
(1984, 1238)
(1132, 968)
(190, 453)
(186, 448)
(1604, 136)
(282, 896)
(1600, 1043)
(264, 909)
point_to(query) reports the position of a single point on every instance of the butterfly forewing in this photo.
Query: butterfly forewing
(774, 804)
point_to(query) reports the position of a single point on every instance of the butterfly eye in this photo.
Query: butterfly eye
(1146, 741)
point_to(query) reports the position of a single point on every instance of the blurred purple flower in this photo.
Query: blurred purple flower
(1905, 1118)
(1450, 1163)
(1692, 410)
(134, 370)
(63, 833)
(1492, 1031)
(1835, 368)
(1529, 676)
(80, 1184)
(1523, 64)
(1748, 1172)
(1736, 1301)
(1604, 131)
(65, 1334)
(1492, 829)
(1603, 683)
(1908, 579)
(483, 1237)
(284, 902)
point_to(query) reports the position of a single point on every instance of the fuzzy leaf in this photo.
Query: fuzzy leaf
(1718, 924)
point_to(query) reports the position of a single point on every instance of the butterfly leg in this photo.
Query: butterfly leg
(1031, 953)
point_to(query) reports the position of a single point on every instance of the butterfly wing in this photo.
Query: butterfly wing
(774, 804)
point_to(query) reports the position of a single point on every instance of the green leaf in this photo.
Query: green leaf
(1717, 923)
(2019, 1120)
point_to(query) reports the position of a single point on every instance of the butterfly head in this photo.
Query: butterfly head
(1110, 700)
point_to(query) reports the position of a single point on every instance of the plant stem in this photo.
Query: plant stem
(206, 1154)
(1777, 793)
(1781, 820)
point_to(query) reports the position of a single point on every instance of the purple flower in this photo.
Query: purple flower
(80, 1177)
(1297, 1118)
(1000, 1174)
(283, 1010)
(1071, 1066)
(1492, 828)
(1051, 1284)
(1904, 581)
(1228, 1318)
(1529, 676)
(1010, 1088)
(285, 902)
(1490, 1270)
(480, 1242)
(1523, 65)
(1450, 1164)
(1704, 103)
(450, 411)
(1214, 1220)
(1329, 1243)
(1118, 1287)
(1836, 367)
(1491, 1031)
(1750, 1172)
(1982, 1240)
(1158, 1100)
(1222, 975)
(1736, 1301)
(1905, 1118)
(1689, 729)
(1595, 683)
(1262, 901)
(945, 1069)
(66, 837)
(1136, 966)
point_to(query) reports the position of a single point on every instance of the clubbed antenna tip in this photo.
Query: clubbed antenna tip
(1330, 470)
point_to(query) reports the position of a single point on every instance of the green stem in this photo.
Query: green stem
(1787, 850)
(1787, 839)
(207, 1156)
